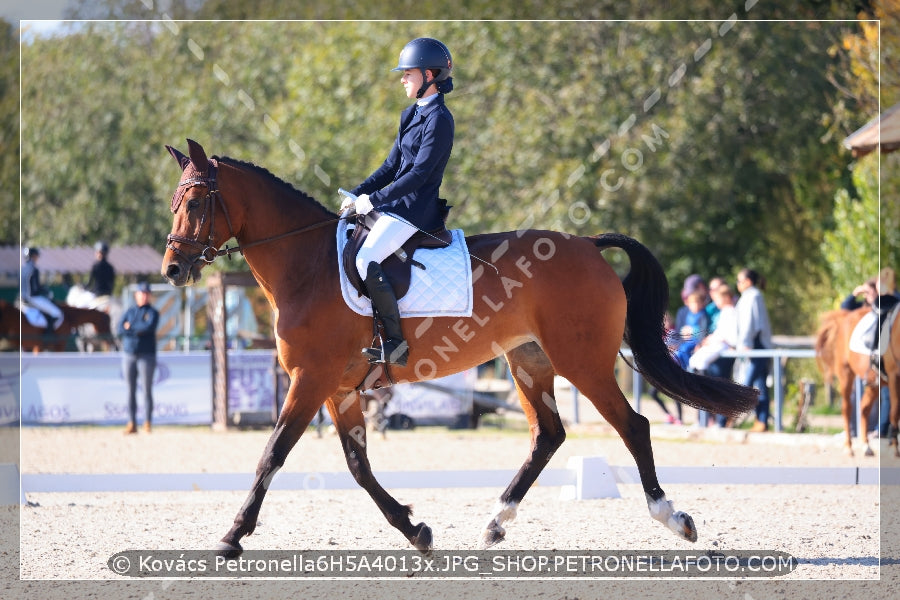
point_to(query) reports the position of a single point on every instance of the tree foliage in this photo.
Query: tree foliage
(9, 135)
(717, 143)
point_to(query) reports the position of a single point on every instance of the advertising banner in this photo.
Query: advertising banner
(68, 389)
(251, 381)
(9, 388)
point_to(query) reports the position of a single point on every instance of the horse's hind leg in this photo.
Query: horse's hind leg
(347, 413)
(894, 411)
(533, 375)
(634, 429)
(292, 422)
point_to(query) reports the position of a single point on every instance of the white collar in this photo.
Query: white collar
(426, 100)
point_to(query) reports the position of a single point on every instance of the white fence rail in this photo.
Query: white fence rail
(778, 378)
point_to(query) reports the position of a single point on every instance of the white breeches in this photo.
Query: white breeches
(386, 237)
(46, 306)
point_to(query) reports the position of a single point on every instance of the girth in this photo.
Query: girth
(398, 266)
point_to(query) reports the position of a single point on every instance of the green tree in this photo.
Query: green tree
(9, 134)
(851, 247)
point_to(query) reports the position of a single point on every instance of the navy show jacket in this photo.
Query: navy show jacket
(408, 183)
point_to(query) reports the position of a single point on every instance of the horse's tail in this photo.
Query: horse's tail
(647, 291)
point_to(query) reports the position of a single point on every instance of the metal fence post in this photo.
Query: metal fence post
(778, 392)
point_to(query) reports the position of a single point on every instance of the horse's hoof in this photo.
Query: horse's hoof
(848, 450)
(685, 526)
(869, 451)
(491, 536)
(228, 550)
(423, 539)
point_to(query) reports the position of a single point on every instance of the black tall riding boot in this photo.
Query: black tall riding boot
(394, 347)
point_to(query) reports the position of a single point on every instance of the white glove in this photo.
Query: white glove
(363, 205)
(347, 203)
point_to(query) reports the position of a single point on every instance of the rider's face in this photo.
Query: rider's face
(412, 81)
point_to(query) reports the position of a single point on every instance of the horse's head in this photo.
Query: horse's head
(196, 233)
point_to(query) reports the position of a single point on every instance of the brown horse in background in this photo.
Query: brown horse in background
(91, 327)
(551, 304)
(19, 333)
(835, 359)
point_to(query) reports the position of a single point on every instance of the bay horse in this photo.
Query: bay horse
(19, 332)
(553, 306)
(835, 360)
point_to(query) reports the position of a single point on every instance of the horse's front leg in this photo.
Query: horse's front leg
(869, 399)
(346, 411)
(299, 408)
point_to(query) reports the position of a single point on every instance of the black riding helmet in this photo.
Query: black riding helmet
(427, 54)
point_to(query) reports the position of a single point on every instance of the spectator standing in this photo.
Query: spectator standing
(137, 330)
(755, 333)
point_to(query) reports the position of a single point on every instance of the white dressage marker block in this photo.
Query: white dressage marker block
(10, 490)
(594, 478)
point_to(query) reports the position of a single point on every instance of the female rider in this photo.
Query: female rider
(404, 190)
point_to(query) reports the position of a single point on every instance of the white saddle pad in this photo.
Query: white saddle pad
(857, 338)
(442, 289)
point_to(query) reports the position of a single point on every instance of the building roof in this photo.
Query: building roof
(127, 260)
(883, 131)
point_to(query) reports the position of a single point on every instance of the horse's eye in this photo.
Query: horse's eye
(193, 203)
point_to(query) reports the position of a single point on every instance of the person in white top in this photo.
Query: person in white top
(754, 333)
(724, 337)
(707, 357)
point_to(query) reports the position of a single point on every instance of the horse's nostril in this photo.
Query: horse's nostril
(173, 271)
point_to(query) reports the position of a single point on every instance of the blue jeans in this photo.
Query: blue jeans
(144, 365)
(756, 377)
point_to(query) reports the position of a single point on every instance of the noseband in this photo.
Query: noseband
(208, 251)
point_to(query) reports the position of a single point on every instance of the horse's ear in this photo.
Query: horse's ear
(198, 156)
(183, 160)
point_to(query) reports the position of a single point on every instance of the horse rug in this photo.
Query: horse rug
(442, 289)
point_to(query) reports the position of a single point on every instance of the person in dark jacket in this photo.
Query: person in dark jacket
(405, 188)
(103, 275)
(137, 330)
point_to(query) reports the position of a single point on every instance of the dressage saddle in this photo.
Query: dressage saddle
(398, 266)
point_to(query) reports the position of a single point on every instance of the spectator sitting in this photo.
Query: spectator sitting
(693, 330)
(723, 338)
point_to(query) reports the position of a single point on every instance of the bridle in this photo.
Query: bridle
(208, 251)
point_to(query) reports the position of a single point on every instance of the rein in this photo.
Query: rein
(208, 251)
